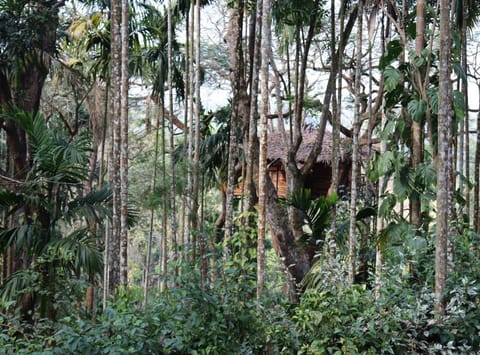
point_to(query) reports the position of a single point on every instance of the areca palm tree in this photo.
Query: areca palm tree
(54, 237)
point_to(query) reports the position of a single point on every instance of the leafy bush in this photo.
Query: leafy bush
(334, 317)
(223, 318)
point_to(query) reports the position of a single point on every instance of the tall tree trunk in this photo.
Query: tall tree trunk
(203, 244)
(336, 100)
(352, 248)
(116, 75)
(464, 29)
(164, 240)
(252, 126)
(263, 169)
(234, 39)
(444, 158)
(191, 131)
(186, 106)
(476, 188)
(381, 244)
(124, 147)
(153, 185)
(106, 159)
(417, 131)
(172, 141)
(196, 158)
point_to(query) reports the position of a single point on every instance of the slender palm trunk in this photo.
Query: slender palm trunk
(263, 170)
(164, 240)
(153, 185)
(476, 189)
(380, 245)
(191, 133)
(124, 148)
(332, 247)
(417, 132)
(114, 279)
(355, 152)
(444, 158)
(172, 141)
(467, 121)
(196, 157)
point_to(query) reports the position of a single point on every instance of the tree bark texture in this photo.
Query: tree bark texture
(444, 158)
(263, 169)
(116, 80)
(352, 245)
(417, 131)
(124, 146)
(234, 40)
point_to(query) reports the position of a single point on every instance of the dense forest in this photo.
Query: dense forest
(239, 177)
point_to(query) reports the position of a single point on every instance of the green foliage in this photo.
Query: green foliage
(53, 227)
(222, 318)
(417, 109)
(392, 78)
(317, 213)
(392, 51)
(337, 318)
(23, 26)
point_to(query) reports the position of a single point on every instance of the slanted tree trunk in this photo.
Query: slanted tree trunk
(153, 185)
(444, 158)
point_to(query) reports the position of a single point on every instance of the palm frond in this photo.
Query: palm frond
(79, 250)
(94, 206)
(26, 237)
(21, 282)
(317, 213)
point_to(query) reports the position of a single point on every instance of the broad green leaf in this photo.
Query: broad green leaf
(417, 109)
(385, 162)
(392, 78)
(400, 188)
(388, 130)
(458, 105)
(416, 60)
(426, 174)
(393, 50)
(457, 67)
(387, 205)
(433, 100)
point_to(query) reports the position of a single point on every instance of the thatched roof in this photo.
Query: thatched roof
(277, 151)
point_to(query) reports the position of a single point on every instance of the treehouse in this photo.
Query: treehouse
(319, 179)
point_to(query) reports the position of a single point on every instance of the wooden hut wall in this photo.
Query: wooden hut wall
(277, 174)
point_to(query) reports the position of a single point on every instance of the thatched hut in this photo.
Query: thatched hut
(320, 176)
